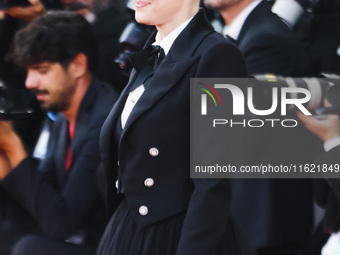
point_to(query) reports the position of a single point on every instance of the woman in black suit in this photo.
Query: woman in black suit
(156, 207)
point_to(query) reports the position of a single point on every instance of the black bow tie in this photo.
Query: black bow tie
(151, 55)
(146, 62)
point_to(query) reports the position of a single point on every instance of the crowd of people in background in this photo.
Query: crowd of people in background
(65, 52)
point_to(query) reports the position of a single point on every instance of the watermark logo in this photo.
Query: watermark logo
(204, 97)
(290, 98)
(234, 124)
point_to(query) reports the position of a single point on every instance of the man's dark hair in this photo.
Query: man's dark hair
(55, 37)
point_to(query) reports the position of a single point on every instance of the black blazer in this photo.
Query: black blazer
(327, 192)
(60, 202)
(160, 120)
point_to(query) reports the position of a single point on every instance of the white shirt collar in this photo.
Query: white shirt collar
(233, 30)
(167, 42)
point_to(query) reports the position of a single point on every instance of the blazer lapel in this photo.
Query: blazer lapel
(158, 87)
(106, 134)
(60, 157)
(137, 61)
(83, 117)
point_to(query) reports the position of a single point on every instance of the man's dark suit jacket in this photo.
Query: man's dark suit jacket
(327, 192)
(63, 203)
(281, 210)
(270, 46)
(161, 120)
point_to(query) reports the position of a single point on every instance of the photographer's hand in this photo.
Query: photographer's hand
(12, 151)
(27, 13)
(325, 129)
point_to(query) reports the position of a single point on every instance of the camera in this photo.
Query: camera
(16, 103)
(5, 4)
(327, 86)
(132, 40)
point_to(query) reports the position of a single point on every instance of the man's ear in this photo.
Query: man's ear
(78, 66)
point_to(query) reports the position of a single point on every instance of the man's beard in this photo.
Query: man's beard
(62, 102)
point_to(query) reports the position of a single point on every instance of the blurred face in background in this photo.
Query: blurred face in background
(52, 84)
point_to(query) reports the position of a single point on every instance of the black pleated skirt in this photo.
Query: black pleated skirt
(122, 237)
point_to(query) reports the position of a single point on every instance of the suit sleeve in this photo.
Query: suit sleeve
(274, 53)
(327, 192)
(209, 207)
(58, 210)
(331, 157)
